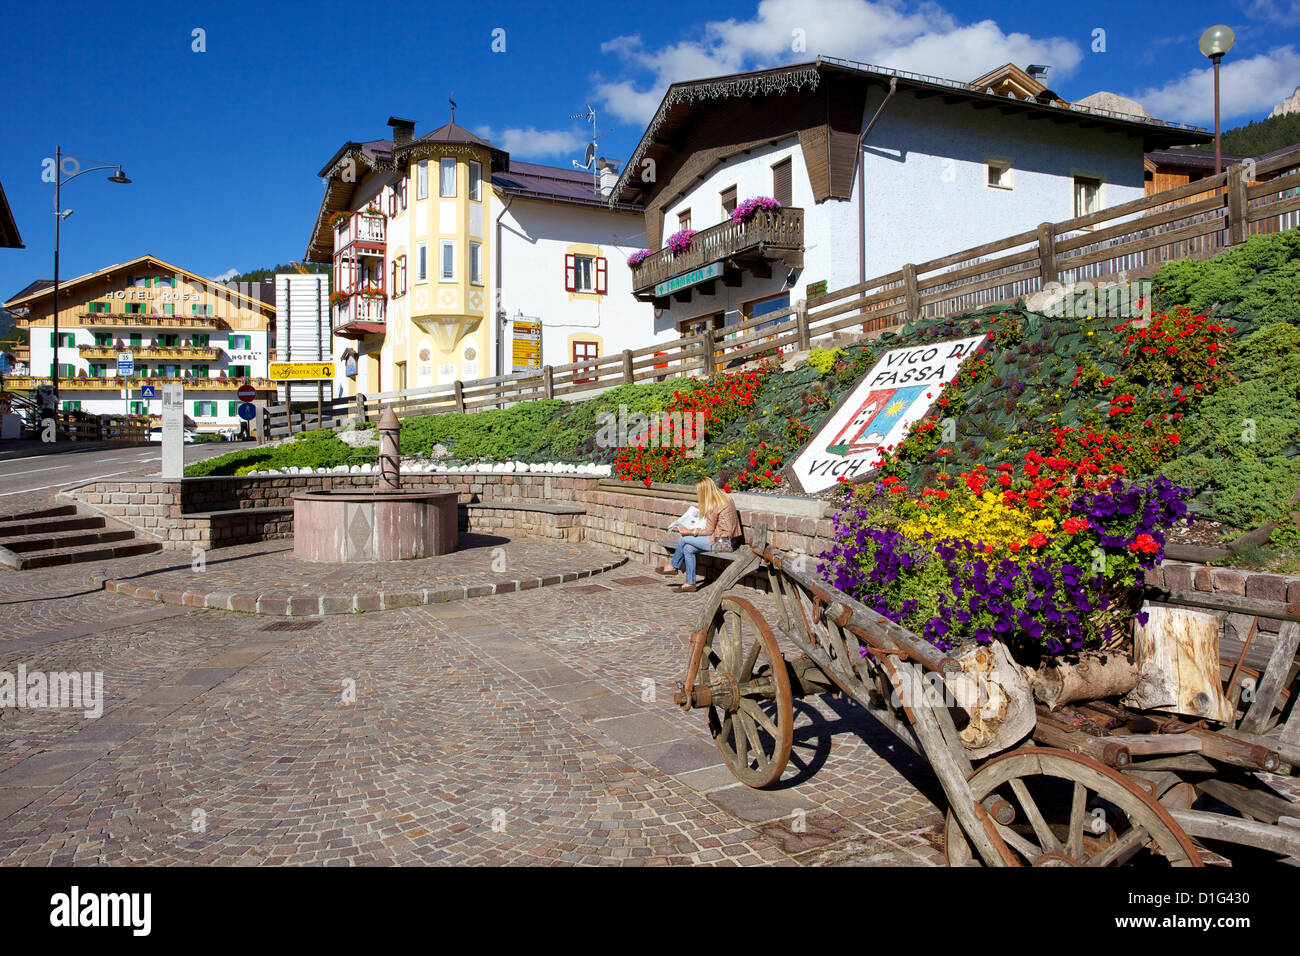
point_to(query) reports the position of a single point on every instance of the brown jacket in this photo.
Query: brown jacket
(723, 528)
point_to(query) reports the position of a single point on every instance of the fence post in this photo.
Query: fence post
(1237, 205)
(548, 381)
(911, 293)
(627, 366)
(459, 391)
(1047, 270)
(801, 324)
(359, 413)
(707, 363)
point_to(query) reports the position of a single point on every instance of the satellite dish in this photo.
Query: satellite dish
(589, 155)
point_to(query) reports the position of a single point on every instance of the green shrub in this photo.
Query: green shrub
(824, 360)
(318, 449)
(497, 434)
(1258, 281)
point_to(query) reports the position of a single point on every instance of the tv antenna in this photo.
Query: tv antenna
(589, 155)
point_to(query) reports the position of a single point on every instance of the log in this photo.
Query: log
(1177, 655)
(1052, 733)
(995, 693)
(1094, 675)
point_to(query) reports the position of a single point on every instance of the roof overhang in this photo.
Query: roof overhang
(9, 237)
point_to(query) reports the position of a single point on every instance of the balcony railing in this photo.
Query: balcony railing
(368, 231)
(776, 231)
(138, 321)
(26, 382)
(357, 310)
(195, 352)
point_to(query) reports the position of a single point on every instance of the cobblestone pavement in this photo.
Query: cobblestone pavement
(511, 728)
(265, 578)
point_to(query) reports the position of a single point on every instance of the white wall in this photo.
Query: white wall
(534, 239)
(302, 327)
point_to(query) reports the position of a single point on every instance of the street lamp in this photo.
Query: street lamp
(61, 214)
(1215, 42)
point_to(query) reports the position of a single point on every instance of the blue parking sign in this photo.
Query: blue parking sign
(147, 391)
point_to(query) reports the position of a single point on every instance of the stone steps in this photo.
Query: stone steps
(55, 536)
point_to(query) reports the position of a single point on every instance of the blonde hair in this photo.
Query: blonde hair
(710, 497)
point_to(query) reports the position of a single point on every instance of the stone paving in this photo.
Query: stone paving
(529, 727)
(266, 578)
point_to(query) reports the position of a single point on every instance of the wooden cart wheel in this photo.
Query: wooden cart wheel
(751, 712)
(1055, 808)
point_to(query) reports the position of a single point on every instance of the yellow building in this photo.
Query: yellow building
(406, 225)
(176, 326)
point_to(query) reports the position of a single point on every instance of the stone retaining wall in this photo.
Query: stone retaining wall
(1176, 576)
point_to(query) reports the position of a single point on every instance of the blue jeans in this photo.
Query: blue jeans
(688, 545)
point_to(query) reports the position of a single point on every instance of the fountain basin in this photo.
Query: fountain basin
(361, 526)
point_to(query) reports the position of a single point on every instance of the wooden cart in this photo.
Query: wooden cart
(1095, 784)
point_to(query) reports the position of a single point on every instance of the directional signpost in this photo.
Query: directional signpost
(125, 369)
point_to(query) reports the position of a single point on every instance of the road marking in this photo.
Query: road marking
(30, 471)
(74, 481)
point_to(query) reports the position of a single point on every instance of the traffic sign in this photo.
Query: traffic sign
(125, 363)
(246, 393)
(247, 411)
(299, 371)
(148, 391)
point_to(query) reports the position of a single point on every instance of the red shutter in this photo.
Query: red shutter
(601, 272)
(570, 273)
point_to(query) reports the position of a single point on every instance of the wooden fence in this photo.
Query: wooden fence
(279, 421)
(82, 426)
(1131, 241)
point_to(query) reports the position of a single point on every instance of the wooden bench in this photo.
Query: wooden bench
(670, 544)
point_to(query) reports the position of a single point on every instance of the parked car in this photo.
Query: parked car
(155, 434)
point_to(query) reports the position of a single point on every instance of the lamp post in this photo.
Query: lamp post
(1215, 42)
(59, 215)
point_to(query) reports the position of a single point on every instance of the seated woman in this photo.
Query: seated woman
(721, 531)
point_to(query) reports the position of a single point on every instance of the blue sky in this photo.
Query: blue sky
(224, 145)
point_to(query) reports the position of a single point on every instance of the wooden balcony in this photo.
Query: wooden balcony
(196, 353)
(358, 315)
(364, 234)
(132, 321)
(28, 382)
(736, 247)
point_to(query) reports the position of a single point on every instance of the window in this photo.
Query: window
(232, 409)
(65, 370)
(582, 352)
(162, 282)
(98, 370)
(399, 368)
(397, 198)
(137, 282)
(585, 274)
(999, 173)
(421, 263)
(447, 260)
(684, 219)
(200, 308)
(239, 342)
(134, 339)
(422, 180)
(783, 183)
(476, 263)
(169, 371)
(200, 341)
(476, 181)
(103, 338)
(139, 408)
(728, 198)
(399, 276)
(199, 371)
(100, 308)
(168, 339)
(135, 308)
(72, 406)
(240, 371)
(169, 308)
(447, 179)
(65, 340)
(205, 409)
(1087, 195)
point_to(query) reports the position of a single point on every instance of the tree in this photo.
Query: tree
(261, 275)
(1257, 138)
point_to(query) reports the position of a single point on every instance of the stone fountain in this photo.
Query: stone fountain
(383, 523)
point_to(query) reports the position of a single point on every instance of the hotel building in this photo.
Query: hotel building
(178, 328)
(442, 246)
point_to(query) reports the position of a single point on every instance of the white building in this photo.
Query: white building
(302, 330)
(873, 169)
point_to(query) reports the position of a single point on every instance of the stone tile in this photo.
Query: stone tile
(756, 806)
(578, 690)
(47, 769)
(641, 729)
(681, 756)
(13, 799)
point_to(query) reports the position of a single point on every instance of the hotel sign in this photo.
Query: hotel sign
(300, 371)
(688, 279)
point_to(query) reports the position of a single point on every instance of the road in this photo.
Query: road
(52, 473)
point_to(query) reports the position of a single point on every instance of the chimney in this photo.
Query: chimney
(608, 175)
(403, 130)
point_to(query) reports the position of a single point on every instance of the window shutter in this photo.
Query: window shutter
(728, 200)
(570, 273)
(782, 190)
(601, 272)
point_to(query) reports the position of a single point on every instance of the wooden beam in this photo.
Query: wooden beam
(682, 295)
(708, 288)
(732, 277)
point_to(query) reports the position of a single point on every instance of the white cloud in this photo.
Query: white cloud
(226, 276)
(1248, 89)
(925, 40)
(530, 142)
(1286, 13)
